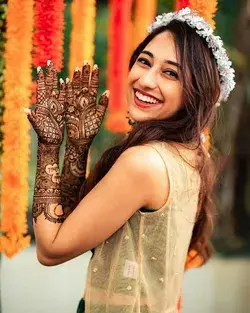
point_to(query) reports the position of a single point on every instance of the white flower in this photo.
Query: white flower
(204, 30)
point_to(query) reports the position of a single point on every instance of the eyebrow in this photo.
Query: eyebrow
(165, 61)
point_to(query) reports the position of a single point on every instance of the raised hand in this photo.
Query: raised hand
(83, 116)
(48, 117)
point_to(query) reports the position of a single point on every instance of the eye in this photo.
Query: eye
(171, 73)
(144, 61)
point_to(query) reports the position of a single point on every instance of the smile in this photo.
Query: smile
(145, 98)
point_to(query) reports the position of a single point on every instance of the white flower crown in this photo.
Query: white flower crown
(203, 29)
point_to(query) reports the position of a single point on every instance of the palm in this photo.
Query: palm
(48, 117)
(83, 116)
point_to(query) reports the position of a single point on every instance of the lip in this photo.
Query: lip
(147, 94)
(143, 105)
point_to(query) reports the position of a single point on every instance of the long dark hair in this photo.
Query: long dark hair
(201, 88)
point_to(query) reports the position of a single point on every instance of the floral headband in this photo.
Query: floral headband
(204, 30)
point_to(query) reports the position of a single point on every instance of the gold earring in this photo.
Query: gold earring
(130, 120)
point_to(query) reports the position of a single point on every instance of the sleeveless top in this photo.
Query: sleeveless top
(140, 267)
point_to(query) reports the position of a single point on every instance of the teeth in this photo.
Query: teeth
(145, 98)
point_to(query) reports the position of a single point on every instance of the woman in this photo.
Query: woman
(147, 203)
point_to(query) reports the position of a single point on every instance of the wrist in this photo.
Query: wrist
(48, 149)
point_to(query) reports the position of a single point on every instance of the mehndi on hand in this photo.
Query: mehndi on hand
(48, 117)
(83, 116)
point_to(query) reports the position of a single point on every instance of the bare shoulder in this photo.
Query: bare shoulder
(145, 164)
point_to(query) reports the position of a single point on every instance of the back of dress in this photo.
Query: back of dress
(140, 267)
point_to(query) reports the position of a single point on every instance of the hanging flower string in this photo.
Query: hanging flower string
(82, 45)
(145, 11)
(206, 9)
(48, 36)
(83, 33)
(119, 36)
(15, 158)
(180, 4)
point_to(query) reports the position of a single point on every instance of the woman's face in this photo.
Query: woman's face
(154, 82)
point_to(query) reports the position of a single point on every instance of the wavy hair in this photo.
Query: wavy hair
(201, 87)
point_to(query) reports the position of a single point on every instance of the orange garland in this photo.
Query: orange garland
(82, 45)
(16, 127)
(119, 36)
(145, 11)
(206, 9)
(83, 33)
(48, 36)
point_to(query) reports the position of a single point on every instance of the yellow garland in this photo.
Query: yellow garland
(17, 91)
(82, 45)
(145, 11)
(83, 33)
(207, 9)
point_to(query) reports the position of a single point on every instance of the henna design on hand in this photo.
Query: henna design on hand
(83, 116)
(48, 117)
(83, 120)
(47, 191)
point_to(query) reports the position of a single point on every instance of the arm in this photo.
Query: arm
(83, 121)
(129, 185)
(48, 122)
(73, 174)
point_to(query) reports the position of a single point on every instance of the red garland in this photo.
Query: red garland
(48, 36)
(180, 4)
(119, 45)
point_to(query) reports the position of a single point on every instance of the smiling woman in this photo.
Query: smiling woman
(147, 204)
(155, 79)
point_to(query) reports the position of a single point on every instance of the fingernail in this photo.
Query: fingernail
(85, 62)
(61, 81)
(26, 110)
(107, 93)
(67, 80)
(95, 67)
(77, 69)
(48, 62)
(38, 69)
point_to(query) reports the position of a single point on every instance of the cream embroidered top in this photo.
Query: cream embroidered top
(140, 267)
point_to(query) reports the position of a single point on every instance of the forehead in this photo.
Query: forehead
(163, 46)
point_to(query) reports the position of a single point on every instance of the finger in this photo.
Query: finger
(103, 102)
(76, 82)
(85, 75)
(40, 87)
(62, 93)
(55, 90)
(49, 78)
(94, 82)
(69, 92)
(32, 118)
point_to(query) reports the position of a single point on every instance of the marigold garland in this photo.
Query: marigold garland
(145, 11)
(83, 33)
(16, 127)
(180, 4)
(206, 9)
(3, 14)
(82, 45)
(48, 36)
(119, 36)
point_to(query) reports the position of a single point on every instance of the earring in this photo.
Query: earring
(130, 120)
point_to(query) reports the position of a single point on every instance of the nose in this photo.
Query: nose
(148, 79)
